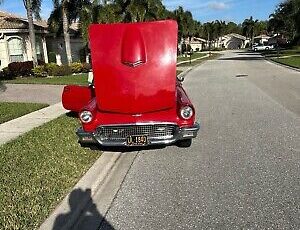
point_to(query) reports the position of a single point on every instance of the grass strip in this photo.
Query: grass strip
(289, 61)
(37, 170)
(12, 110)
(194, 55)
(80, 79)
(197, 62)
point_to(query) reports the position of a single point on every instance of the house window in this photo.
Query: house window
(38, 47)
(15, 49)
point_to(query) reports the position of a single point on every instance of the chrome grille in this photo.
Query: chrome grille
(119, 133)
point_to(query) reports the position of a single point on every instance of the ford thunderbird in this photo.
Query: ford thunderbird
(135, 98)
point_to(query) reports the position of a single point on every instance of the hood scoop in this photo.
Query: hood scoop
(133, 48)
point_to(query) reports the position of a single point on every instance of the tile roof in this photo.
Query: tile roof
(12, 21)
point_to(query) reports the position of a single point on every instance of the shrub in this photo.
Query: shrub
(21, 68)
(51, 68)
(5, 74)
(62, 70)
(76, 67)
(86, 67)
(40, 71)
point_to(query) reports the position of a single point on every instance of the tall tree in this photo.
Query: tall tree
(61, 8)
(286, 20)
(249, 26)
(33, 8)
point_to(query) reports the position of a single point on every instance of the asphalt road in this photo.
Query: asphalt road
(243, 170)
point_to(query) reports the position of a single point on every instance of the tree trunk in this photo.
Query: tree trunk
(66, 33)
(31, 31)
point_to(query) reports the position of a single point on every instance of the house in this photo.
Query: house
(56, 46)
(261, 39)
(197, 44)
(15, 45)
(231, 41)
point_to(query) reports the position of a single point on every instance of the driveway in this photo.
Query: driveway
(242, 172)
(48, 94)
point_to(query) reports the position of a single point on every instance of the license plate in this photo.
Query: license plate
(137, 140)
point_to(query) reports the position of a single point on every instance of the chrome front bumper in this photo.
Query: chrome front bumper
(177, 135)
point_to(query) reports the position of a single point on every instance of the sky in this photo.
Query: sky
(202, 10)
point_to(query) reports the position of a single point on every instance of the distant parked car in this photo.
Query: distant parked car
(262, 47)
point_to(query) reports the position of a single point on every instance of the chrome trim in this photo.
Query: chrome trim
(142, 123)
(180, 134)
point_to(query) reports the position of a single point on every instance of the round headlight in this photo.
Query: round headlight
(86, 116)
(186, 112)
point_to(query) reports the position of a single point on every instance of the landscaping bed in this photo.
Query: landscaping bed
(38, 170)
(12, 110)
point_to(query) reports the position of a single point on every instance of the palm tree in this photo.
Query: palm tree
(249, 26)
(140, 10)
(33, 7)
(61, 8)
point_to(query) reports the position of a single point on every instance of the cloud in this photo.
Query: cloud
(217, 5)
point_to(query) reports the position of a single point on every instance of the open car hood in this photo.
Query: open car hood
(134, 66)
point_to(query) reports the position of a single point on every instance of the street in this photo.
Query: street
(241, 172)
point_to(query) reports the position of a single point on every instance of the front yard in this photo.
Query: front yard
(80, 79)
(12, 110)
(293, 61)
(194, 56)
(197, 62)
(37, 171)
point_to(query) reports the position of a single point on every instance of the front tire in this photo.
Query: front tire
(184, 143)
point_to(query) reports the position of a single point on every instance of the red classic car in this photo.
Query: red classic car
(135, 98)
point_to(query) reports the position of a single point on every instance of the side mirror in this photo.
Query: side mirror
(180, 78)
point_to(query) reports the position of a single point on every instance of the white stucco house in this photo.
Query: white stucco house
(14, 39)
(197, 44)
(261, 39)
(231, 41)
(56, 45)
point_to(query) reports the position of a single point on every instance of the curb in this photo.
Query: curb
(282, 65)
(91, 181)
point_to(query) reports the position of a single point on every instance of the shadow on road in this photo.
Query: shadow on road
(125, 149)
(243, 58)
(90, 218)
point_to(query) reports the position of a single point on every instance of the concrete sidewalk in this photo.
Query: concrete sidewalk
(12, 129)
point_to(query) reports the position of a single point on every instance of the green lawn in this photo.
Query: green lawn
(290, 61)
(273, 53)
(80, 79)
(12, 110)
(194, 55)
(197, 62)
(37, 170)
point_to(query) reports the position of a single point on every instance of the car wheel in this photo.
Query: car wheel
(184, 143)
(267, 48)
(255, 50)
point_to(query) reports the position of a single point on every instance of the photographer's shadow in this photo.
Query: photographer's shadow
(83, 218)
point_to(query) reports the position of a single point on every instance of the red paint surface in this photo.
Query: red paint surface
(145, 88)
(134, 68)
(75, 97)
